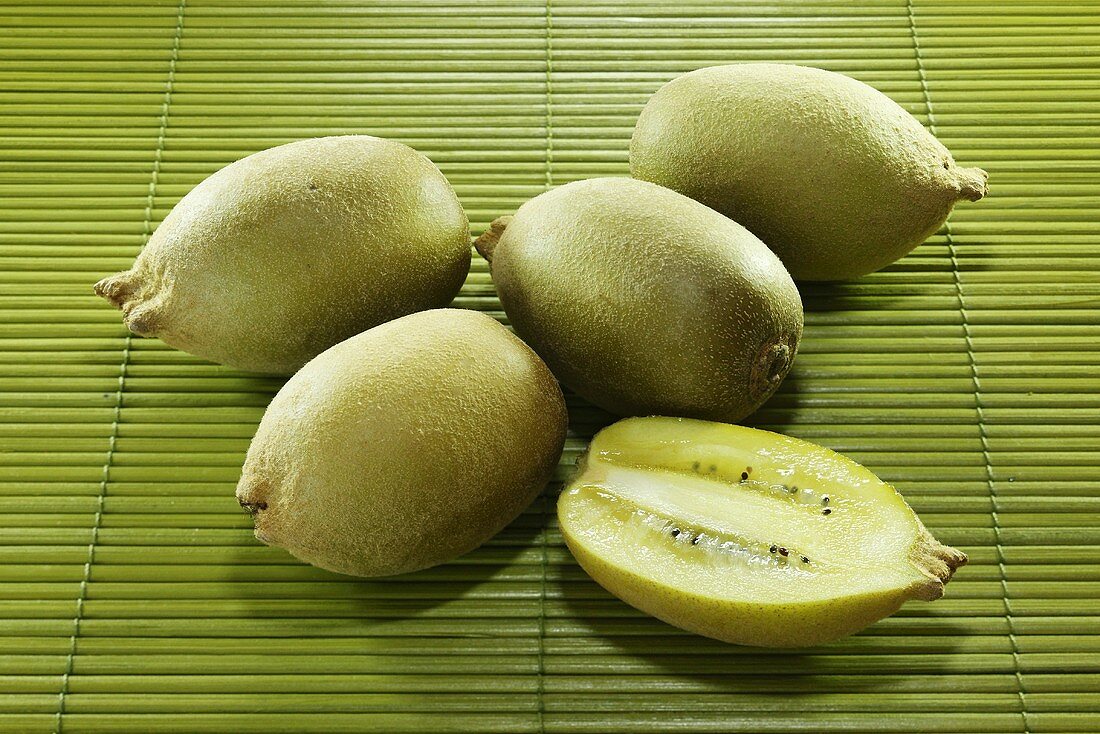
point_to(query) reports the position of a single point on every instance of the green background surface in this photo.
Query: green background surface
(133, 597)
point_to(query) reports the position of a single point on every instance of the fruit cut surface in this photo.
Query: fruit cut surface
(745, 535)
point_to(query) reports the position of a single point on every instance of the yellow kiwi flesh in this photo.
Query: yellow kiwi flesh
(746, 536)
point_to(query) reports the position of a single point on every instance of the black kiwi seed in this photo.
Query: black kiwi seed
(784, 552)
(774, 548)
(825, 500)
(827, 511)
(696, 539)
(676, 532)
(744, 475)
(804, 559)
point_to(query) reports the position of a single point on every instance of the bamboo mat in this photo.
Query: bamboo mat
(133, 597)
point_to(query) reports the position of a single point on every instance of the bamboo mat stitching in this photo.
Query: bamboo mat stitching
(976, 382)
(549, 182)
(545, 558)
(545, 561)
(122, 372)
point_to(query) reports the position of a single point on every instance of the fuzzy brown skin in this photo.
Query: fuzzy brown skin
(831, 174)
(646, 302)
(405, 446)
(282, 254)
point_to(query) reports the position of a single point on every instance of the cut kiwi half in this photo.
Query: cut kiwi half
(744, 535)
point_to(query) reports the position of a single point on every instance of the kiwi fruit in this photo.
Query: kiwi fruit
(405, 446)
(277, 257)
(644, 301)
(746, 536)
(832, 174)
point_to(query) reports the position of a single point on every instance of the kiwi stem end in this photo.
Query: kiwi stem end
(253, 507)
(486, 244)
(973, 183)
(770, 366)
(937, 562)
(115, 289)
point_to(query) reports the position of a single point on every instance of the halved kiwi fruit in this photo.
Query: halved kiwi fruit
(746, 536)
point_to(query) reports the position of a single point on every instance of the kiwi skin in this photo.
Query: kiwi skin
(644, 301)
(833, 175)
(405, 446)
(282, 254)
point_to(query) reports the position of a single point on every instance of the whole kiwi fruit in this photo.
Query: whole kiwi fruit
(282, 254)
(832, 174)
(644, 301)
(404, 446)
